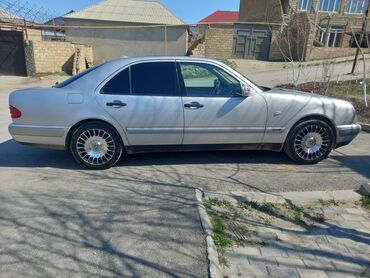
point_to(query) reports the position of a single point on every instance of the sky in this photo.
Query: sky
(191, 11)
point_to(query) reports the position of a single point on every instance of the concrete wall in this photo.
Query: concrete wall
(114, 43)
(33, 35)
(50, 57)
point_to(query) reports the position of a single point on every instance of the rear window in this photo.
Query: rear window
(154, 79)
(118, 85)
(76, 77)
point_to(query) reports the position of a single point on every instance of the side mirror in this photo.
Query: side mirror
(246, 90)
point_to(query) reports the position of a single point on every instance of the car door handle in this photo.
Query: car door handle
(195, 105)
(116, 104)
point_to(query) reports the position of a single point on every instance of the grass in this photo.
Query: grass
(244, 206)
(365, 201)
(345, 90)
(328, 203)
(221, 238)
(216, 202)
(297, 213)
(268, 207)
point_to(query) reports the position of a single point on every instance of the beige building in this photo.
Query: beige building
(288, 29)
(102, 27)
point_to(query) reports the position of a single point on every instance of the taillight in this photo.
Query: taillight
(15, 112)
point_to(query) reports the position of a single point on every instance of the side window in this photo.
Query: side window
(118, 85)
(204, 80)
(154, 79)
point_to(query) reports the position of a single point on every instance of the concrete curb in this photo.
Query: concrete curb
(365, 127)
(365, 189)
(295, 197)
(212, 254)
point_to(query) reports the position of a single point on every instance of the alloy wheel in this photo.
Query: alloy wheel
(312, 142)
(96, 147)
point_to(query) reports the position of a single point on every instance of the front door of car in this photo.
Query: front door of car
(145, 100)
(215, 110)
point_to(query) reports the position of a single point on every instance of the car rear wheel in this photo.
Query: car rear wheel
(97, 146)
(310, 142)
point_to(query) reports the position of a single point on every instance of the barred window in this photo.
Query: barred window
(332, 37)
(331, 6)
(357, 6)
(304, 5)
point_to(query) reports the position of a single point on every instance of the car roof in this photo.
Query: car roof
(161, 58)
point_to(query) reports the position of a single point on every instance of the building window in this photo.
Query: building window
(357, 6)
(331, 38)
(330, 6)
(304, 5)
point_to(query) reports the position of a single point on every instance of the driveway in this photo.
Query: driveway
(139, 218)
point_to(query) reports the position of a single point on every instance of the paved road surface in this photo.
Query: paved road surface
(138, 218)
(58, 220)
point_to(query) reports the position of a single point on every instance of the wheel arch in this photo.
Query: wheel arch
(78, 124)
(315, 117)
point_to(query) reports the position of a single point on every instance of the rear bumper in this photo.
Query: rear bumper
(346, 134)
(46, 136)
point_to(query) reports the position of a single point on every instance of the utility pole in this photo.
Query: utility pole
(363, 31)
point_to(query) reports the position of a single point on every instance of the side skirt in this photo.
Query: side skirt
(276, 147)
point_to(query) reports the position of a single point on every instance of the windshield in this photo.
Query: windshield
(77, 76)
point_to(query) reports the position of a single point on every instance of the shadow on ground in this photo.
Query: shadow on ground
(332, 244)
(16, 155)
(101, 225)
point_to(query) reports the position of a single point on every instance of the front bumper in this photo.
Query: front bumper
(46, 136)
(346, 134)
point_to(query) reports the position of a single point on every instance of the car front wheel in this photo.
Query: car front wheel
(97, 146)
(310, 142)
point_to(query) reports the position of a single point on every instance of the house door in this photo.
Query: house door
(12, 58)
(252, 43)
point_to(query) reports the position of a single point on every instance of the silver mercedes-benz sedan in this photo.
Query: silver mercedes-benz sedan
(176, 103)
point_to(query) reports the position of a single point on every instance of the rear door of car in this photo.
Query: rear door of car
(145, 99)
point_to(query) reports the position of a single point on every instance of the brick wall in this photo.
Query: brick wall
(290, 42)
(51, 57)
(219, 41)
(268, 11)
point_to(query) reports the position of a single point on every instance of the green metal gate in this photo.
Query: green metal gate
(252, 42)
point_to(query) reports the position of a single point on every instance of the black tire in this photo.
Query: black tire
(96, 146)
(310, 142)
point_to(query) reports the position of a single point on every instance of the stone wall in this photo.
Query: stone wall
(199, 51)
(50, 57)
(321, 53)
(219, 41)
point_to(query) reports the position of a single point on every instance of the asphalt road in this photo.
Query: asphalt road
(139, 218)
(57, 220)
